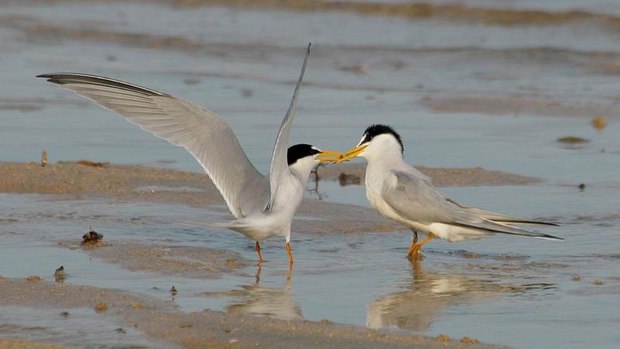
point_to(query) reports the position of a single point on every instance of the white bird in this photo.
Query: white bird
(262, 205)
(402, 193)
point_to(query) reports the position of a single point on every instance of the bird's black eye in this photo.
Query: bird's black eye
(376, 130)
(300, 151)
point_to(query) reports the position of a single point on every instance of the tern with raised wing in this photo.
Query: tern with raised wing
(402, 193)
(263, 205)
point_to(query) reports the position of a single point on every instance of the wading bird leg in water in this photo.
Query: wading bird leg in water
(401, 192)
(418, 247)
(289, 252)
(413, 244)
(258, 270)
(260, 255)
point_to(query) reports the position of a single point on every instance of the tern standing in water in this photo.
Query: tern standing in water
(262, 205)
(400, 192)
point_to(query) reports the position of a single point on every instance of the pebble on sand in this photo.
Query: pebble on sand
(91, 238)
(599, 123)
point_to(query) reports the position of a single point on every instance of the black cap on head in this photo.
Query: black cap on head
(377, 129)
(299, 151)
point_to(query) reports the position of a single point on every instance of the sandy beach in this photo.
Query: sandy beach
(204, 329)
(161, 321)
(508, 106)
(90, 179)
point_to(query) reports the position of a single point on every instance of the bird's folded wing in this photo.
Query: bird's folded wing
(279, 163)
(207, 137)
(416, 199)
(500, 218)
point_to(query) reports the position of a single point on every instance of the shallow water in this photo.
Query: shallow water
(363, 69)
(510, 285)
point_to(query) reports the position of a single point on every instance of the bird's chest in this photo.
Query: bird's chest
(376, 182)
(288, 197)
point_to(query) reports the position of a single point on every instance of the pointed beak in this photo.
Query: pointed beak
(330, 156)
(352, 153)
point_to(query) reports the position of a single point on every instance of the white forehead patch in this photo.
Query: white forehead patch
(361, 140)
(315, 148)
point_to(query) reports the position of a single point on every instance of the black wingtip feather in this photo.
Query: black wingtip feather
(510, 231)
(520, 221)
(79, 78)
(551, 237)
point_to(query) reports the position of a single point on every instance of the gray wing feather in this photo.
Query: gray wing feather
(207, 137)
(279, 163)
(415, 198)
(418, 200)
(500, 218)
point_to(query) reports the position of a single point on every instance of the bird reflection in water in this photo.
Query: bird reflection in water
(428, 295)
(273, 302)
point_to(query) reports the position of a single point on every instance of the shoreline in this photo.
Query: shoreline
(130, 182)
(161, 321)
(164, 324)
(136, 183)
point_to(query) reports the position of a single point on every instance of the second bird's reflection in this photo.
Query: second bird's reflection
(428, 294)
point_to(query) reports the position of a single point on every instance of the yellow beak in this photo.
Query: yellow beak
(330, 156)
(338, 157)
(352, 153)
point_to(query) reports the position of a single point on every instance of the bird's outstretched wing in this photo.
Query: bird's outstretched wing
(418, 200)
(279, 164)
(207, 137)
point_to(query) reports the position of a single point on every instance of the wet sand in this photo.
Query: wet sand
(185, 261)
(429, 66)
(195, 189)
(191, 188)
(21, 344)
(422, 10)
(517, 104)
(162, 321)
(531, 101)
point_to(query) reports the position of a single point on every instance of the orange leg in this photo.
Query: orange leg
(415, 251)
(289, 252)
(413, 244)
(260, 255)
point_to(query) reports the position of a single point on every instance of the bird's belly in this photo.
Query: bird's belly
(261, 226)
(386, 210)
(276, 222)
(455, 233)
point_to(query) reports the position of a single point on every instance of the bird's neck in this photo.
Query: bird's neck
(387, 160)
(301, 170)
(379, 169)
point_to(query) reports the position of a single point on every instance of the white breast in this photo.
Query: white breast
(377, 177)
